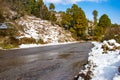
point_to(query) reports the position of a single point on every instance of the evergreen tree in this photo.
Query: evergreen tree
(30, 7)
(104, 21)
(51, 7)
(75, 20)
(67, 19)
(53, 17)
(93, 28)
(40, 4)
(43, 10)
(95, 14)
(100, 30)
(45, 14)
(79, 21)
(52, 13)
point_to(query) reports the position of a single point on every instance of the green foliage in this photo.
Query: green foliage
(75, 20)
(30, 7)
(104, 21)
(95, 14)
(8, 37)
(30, 41)
(66, 20)
(73, 31)
(79, 20)
(51, 7)
(9, 42)
(115, 25)
(8, 32)
(98, 33)
(53, 17)
(44, 13)
(43, 10)
(40, 41)
(27, 41)
(8, 46)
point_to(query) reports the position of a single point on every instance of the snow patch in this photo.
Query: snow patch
(40, 45)
(104, 66)
(117, 77)
(43, 29)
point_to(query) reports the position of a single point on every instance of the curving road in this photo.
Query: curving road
(60, 62)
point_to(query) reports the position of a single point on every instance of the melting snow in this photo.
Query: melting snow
(104, 66)
(39, 45)
(42, 29)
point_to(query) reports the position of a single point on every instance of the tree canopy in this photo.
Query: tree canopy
(30, 7)
(104, 21)
(75, 20)
(51, 7)
(95, 14)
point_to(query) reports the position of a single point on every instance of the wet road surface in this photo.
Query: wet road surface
(60, 62)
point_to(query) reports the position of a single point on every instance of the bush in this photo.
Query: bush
(112, 33)
(27, 41)
(40, 41)
(8, 46)
(9, 42)
(98, 33)
(105, 48)
(9, 31)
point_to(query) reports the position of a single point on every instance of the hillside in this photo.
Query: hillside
(33, 23)
(31, 30)
(42, 29)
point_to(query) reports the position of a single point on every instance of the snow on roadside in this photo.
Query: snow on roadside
(29, 45)
(39, 45)
(116, 77)
(102, 65)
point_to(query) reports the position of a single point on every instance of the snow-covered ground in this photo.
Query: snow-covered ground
(104, 60)
(42, 29)
(40, 45)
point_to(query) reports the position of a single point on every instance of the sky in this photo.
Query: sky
(109, 7)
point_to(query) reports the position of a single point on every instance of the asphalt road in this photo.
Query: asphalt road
(60, 62)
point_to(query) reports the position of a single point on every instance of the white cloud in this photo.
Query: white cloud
(70, 1)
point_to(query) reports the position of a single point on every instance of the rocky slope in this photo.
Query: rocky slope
(41, 29)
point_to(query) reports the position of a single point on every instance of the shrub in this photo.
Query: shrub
(40, 41)
(105, 48)
(112, 33)
(27, 41)
(98, 33)
(9, 31)
(9, 42)
(8, 46)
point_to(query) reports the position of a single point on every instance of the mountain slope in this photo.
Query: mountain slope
(42, 29)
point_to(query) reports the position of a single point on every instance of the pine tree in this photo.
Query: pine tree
(79, 20)
(100, 30)
(104, 21)
(95, 14)
(51, 7)
(75, 20)
(92, 28)
(67, 19)
(52, 13)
